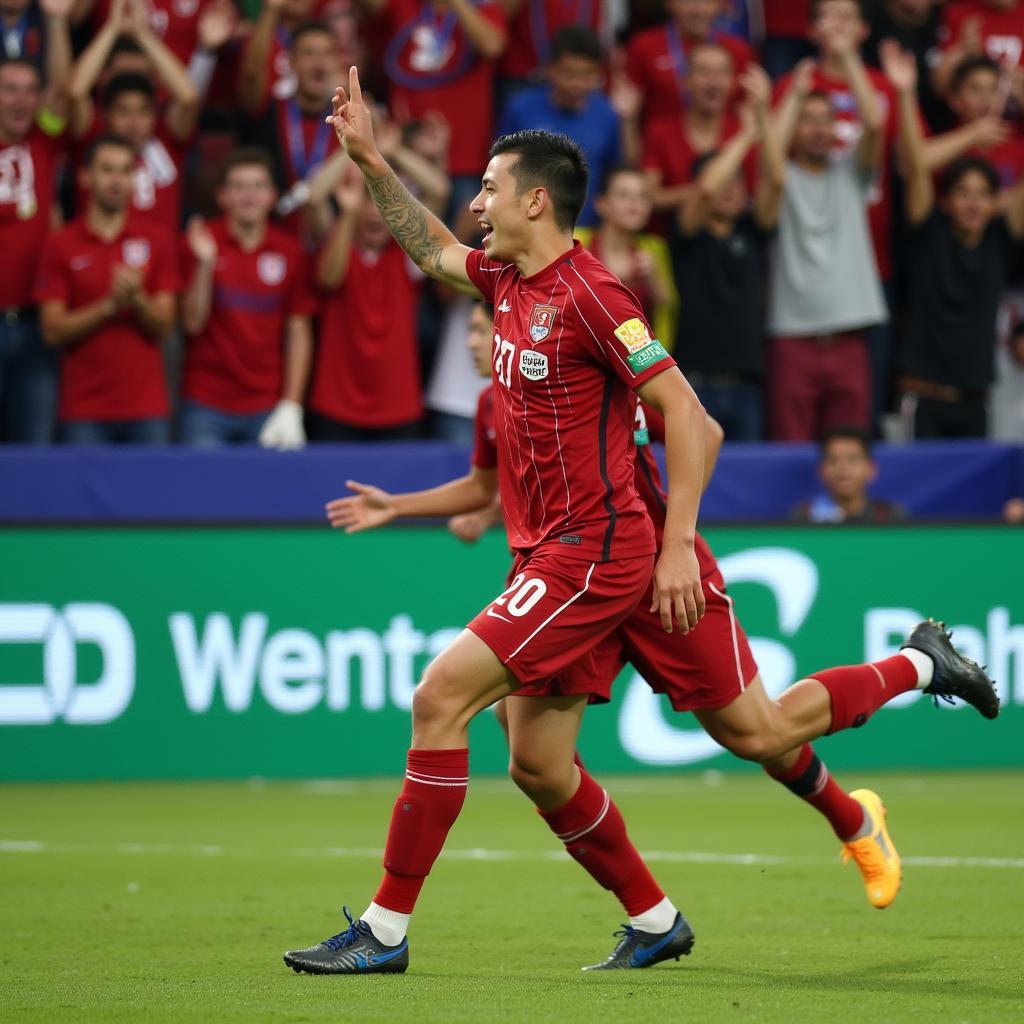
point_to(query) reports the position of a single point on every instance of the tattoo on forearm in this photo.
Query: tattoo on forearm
(408, 220)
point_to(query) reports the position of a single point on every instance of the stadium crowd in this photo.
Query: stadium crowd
(819, 204)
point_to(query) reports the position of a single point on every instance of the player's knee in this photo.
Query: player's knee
(751, 747)
(533, 776)
(434, 702)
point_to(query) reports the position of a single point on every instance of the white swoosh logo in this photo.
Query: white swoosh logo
(494, 615)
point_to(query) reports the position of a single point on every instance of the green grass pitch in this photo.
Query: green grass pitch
(168, 902)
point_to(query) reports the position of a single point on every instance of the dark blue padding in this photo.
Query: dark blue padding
(935, 480)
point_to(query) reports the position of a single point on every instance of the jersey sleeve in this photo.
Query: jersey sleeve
(53, 280)
(617, 332)
(483, 273)
(485, 452)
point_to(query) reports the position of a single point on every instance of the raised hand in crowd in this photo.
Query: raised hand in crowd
(218, 23)
(201, 242)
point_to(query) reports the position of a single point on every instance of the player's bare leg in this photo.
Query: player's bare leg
(542, 734)
(777, 734)
(463, 680)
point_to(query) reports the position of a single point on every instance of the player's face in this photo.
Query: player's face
(976, 96)
(501, 210)
(573, 79)
(971, 204)
(133, 117)
(315, 63)
(19, 100)
(627, 202)
(710, 81)
(694, 17)
(109, 178)
(846, 469)
(815, 130)
(480, 340)
(247, 195)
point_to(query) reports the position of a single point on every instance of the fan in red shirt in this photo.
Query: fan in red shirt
(175, 22)
(246, 309)
(785, 34)
(31, 145)
(533, 24)
(673, 143)
(658, 59)
(440, 60)
(266, 67)
(972, 27)
(833, 19)
(570, 348)
(366, 385)
(130, 109)
(106, 288)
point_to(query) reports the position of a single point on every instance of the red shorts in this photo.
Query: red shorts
(556, 609)
(706, 669)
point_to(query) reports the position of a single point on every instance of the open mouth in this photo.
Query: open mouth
(487, 230)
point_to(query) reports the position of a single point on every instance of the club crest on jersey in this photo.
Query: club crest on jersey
(135, 252)
(271, 267)
(533, 365)
(633, 334)
(541, 320)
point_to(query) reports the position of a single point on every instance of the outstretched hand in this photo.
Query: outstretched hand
(367, 509)
(352, 121)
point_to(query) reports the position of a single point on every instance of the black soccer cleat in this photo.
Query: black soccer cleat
(954, 675)
(354, 951)
(644, 949)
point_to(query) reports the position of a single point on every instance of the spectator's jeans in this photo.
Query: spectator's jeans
(447, 426)
(818, 382)
(206, 427)
(28, 380)
(148, 431)
(738, 406)
(935, 419)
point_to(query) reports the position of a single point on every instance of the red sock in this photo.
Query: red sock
(858, 691)
(594, 833)
(810, 780)
(430, 801)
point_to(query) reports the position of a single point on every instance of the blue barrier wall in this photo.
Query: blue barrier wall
(968, 480)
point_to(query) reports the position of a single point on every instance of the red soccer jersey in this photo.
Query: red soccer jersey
(158, 179)
(368, 371)
(657, 59)
(849, 128)
(176, 22)
(433, 68)
(117, 372)
(534, 26)
(669, 151)
(570, 345)
(303, 140)
(235, 363)
(1002, 32)
(485, 438)
(27, 175)
(789, 18)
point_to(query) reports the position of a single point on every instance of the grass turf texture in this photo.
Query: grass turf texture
(190, 924)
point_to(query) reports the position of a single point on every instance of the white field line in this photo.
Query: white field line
(474, 853)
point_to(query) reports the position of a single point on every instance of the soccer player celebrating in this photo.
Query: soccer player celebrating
(571, 348)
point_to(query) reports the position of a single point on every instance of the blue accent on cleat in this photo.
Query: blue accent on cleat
(356, 950)
(637, 949)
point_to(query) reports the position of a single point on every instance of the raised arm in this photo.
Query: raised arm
(918, 190)
(984, 133)
(332, 264)
(58, 56)
(771, 180)
(1013, 209)
(197, 298)
(783, 124)
(183, 105)
(716, 175)
(487, 38)
(872, 141)
(429, 244)
(253, 78)
(88, 68)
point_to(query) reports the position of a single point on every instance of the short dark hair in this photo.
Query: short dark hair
(308, 28)
(105, 141)
(126, 82)
(616, 171)
(21, 62)
(577, 41)
(861, 8)
(551, 161)
(245, 156)
(846, 433)
(964, 165)
(124, 44)
(967, 67)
